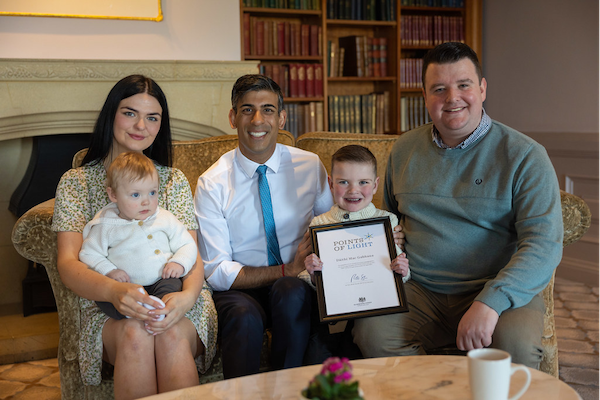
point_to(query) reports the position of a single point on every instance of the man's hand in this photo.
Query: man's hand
(172, 270)
(476, 327)
(304, 249)
(399, 236)
(118, 275)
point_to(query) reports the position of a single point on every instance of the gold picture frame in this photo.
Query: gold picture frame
(139, 10)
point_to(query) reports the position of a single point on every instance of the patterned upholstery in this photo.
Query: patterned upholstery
(34, 240)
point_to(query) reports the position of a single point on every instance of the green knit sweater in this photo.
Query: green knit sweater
(486, 218)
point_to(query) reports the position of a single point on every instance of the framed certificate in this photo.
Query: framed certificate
(357, 280)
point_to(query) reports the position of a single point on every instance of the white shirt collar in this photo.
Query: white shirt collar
(249, 167)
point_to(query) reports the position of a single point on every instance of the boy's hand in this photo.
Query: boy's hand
(172, 270)
(400, 265)
(118, 275)
(313, 263)
(399, 236)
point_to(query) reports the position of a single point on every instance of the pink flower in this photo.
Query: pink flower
(336, 366)
(334, 381)
(344, 377)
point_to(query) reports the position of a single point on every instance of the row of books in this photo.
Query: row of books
(277, 37)
(359, 56)
(368, 113)
(287, 4)
(411, 73)
(296, 80)
(427, 30)
(433, 3)
(302, 118)
(369, 10)
(413, 113)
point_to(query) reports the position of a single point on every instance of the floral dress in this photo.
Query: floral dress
(80, 195)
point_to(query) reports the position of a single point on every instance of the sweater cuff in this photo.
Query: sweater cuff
(494, 299)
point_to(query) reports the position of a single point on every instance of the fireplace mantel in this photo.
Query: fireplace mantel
(48, 97)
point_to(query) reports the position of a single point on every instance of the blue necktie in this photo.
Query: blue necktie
(269, 222)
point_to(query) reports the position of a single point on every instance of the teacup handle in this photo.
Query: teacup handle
(526, 385)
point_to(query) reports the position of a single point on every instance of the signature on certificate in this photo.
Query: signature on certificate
(358, 278)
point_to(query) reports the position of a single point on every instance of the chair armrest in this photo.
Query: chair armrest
(32, 235)
(577, 217)
(33, 238)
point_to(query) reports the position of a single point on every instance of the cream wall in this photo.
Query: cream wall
(540, 58)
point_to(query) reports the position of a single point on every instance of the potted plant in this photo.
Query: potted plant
(334, 382)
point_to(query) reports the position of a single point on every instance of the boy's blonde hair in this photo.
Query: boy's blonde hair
(129, 167)
(355, 154)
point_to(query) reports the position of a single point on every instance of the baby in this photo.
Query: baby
(132, 239)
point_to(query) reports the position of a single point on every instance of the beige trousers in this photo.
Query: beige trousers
(432, 322)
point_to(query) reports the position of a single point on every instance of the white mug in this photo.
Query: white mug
(490, 372)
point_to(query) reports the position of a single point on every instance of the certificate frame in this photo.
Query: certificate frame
(321, 241)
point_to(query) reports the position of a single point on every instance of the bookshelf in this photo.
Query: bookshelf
(385, 92)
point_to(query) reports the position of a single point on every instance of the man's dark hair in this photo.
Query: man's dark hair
(256, 83)
(355, 154)
(450, 52)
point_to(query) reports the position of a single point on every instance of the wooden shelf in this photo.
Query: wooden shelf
(284, 58)
(302, 99)
(361, 79)
(280, 11)
(437, 10)
(353, 22)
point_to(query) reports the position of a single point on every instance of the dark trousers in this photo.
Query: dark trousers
(243, 315)
(158, 289)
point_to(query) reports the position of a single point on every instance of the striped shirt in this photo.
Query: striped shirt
(479, 132)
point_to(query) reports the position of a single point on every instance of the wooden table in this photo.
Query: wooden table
(415, 377)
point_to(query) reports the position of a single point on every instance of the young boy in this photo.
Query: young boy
(353, 182)
(132, 239)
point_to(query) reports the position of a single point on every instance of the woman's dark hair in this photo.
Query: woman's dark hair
(102, 137)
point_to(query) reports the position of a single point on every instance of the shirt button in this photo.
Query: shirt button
(149, 236)
(346, 216)
(141, 223)
(156, 251)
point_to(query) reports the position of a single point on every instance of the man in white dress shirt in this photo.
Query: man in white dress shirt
(251, 293)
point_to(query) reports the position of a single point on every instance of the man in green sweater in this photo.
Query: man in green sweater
(480, 207)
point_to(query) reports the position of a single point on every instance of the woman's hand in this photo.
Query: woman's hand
(400, 265)
(125, 298)
(176, 305)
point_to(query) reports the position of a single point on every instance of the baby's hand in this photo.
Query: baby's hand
(172, 270)
(118, 275)
(400, 265)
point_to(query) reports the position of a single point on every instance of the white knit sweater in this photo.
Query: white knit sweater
(140, 248)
